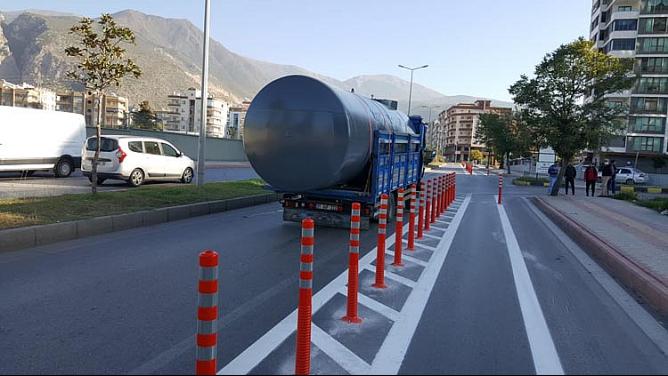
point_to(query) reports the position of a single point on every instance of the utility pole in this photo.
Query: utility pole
(201, 152)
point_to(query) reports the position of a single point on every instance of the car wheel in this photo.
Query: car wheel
(630, 182)
(136, 177)
(187, 177)
(64, 168)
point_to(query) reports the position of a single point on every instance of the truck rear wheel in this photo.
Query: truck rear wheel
(64, 168)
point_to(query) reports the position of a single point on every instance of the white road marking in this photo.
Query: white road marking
(391, 355)
(405, 256)
(397, 278)
(432, 236)
(347, 359)
(374, 305)
(544, 353)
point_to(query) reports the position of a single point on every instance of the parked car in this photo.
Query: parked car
(629, 175)
(39, 140)
(136, 160)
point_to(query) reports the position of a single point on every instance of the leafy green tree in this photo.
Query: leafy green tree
(476, 155)
(565, 104)
(504, 134)
(145, 118)
(101, 63)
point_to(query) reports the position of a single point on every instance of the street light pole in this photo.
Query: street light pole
(201, 155)
(410, 95)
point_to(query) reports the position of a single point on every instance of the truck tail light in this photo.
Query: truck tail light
(121, 155)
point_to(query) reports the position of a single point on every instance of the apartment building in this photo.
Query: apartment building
(27, 96)
(184, 114)
(637, 29)
(460, 123)
(236, 120)
(115, 109)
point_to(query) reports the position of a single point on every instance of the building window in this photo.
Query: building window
(645, 124)
(626, 25)
(653, 45)
(653, 26)
(652, 85)
(649, 105)
(625, 8)
(655, 6)
(648, 144)
(627, 44)
(653, 65)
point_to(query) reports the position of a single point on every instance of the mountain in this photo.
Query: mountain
(32, 45)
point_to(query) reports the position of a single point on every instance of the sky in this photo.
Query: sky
(474, 48)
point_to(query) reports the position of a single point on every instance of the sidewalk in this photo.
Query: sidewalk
(631, 241)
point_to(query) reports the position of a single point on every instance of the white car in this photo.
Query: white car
(630, 175)
(136, 160)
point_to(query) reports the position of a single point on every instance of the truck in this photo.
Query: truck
(39, 140)
(324, 148)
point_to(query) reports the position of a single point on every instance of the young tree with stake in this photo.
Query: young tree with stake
(101, 64)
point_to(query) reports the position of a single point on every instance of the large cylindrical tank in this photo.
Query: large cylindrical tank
(301, 134)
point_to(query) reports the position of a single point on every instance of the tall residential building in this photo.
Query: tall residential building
(184, 114)
(637, 29)
(460, 123)
(27, 96)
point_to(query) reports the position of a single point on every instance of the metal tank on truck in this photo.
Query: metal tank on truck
(325, 148)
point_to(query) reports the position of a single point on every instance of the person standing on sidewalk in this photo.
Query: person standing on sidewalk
(613, 180)
(591, 176)
(570, 175)
(606, 172)
(553, 171)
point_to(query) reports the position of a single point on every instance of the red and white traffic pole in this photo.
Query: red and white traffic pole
(207, 314)
(434, 201)
(353, 267)
(399, 231)
(305, 307)
(420, 229)
(411, 219)
(427, 219)
(442, 202)
(500, 188)
(382, 234)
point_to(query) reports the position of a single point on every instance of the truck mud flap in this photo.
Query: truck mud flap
(326, 219)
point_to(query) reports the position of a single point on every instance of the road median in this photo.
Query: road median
(40, 221)
(632, 270)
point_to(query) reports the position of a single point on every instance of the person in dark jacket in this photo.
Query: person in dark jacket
(591, 176)
(613, 179)
(553, 172)
(570, 175)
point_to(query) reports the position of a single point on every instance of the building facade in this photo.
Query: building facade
(115, 109)
(184, 114)
(26, 96)
(459, 126)
(637, 29)
(236, 120)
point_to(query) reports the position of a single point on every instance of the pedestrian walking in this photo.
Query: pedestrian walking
(591, 176)
(553, 171)
(570, 175)
(606, 172)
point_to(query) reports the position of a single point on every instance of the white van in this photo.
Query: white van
(39, 140)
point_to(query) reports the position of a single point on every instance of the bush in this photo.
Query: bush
(626, 196)
(533, 180)
(658, 204)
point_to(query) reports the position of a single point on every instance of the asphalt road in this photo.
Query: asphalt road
(14, 185)
(125, 302)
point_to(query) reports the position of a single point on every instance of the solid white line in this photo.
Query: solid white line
(260, 349)
(397, 278)
(544, 353)
(376, 306)
(391, 355)
(407, 257)
(347, 359)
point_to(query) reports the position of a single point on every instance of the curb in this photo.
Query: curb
(27, 237)
(632, 275)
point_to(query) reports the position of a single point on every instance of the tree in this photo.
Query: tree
(145, 118)
(505, 134)
(101, 63)
(565, 104)
(476, 155)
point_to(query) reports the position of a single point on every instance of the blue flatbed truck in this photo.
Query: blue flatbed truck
(397, 161)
